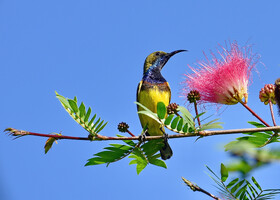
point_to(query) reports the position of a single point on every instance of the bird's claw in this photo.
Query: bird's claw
(142, 138)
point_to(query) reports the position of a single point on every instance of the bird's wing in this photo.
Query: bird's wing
(169, 91)
(138, 90)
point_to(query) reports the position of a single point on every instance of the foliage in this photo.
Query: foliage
(141, 155)
(247, 158)
(181, 122)
(257, 139)
(49, 143)
(237, 189)
(248, 152)
(82, 115)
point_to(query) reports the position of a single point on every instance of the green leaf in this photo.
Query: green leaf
(92, 119)
(256, 124)
(151, 147)
(101, 128)
(180, 124)
(175, 122)
(216, 125)
(169, 118)
(142, 106)
(129, 142)
(49, 143)
(186, 128)
(63, 100)
(111, 154)
(212, 172)
(254, 192)
(241, 166)
(238, 185)
(253, 140)
(256, 183)
(99, 125)
(82, 110)
(141, 164)
(73, 105)
(158, 162)
(199, 115)
(230, 184)
(87, 114)
(95, 124)
(241, 191)
(224, 172)
(161, 110)
(140, 160)
(149, 114)
(80, 115)
(186, 115)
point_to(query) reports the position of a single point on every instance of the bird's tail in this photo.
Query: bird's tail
(166, 151)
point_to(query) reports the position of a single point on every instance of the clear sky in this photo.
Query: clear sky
(95, 50)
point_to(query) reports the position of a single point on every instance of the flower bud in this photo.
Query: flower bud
(172, 108)
(267, 94)
(123, 127)
(193, 96)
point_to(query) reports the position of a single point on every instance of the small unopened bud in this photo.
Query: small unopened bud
(267, 94)
(193, 96)
(123, 127)
(172, 108)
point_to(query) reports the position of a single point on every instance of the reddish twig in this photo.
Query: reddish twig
(196, 112)
(130, 133)
(253, 113)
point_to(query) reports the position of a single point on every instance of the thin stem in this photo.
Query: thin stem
(253, 113)
(130, 133)
(98, 137)
(195, 188)
(196, 112)
(272, 113)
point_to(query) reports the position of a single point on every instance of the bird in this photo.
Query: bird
(153, 88)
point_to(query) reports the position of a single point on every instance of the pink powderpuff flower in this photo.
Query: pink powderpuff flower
(223, 81)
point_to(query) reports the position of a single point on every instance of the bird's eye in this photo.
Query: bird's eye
(157, 53)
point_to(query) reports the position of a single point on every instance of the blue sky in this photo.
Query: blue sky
(95, 50)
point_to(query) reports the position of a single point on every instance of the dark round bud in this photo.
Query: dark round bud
(193, 96)
(123, 127)
(172, 108)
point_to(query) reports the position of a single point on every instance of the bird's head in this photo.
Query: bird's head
(158, 59)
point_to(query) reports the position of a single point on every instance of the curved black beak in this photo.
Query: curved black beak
(174, 52)
(168, 56)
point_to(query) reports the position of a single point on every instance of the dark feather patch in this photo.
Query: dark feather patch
(277, 94)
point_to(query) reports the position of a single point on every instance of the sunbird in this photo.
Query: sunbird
(153, 88)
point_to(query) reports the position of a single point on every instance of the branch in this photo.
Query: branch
(195, 188)
(98, 137)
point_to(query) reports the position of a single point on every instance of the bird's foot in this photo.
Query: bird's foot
(142, 137)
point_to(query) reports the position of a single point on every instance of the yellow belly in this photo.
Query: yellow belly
(150, 98)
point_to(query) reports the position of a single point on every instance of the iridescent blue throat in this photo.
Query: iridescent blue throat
(153, 75)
